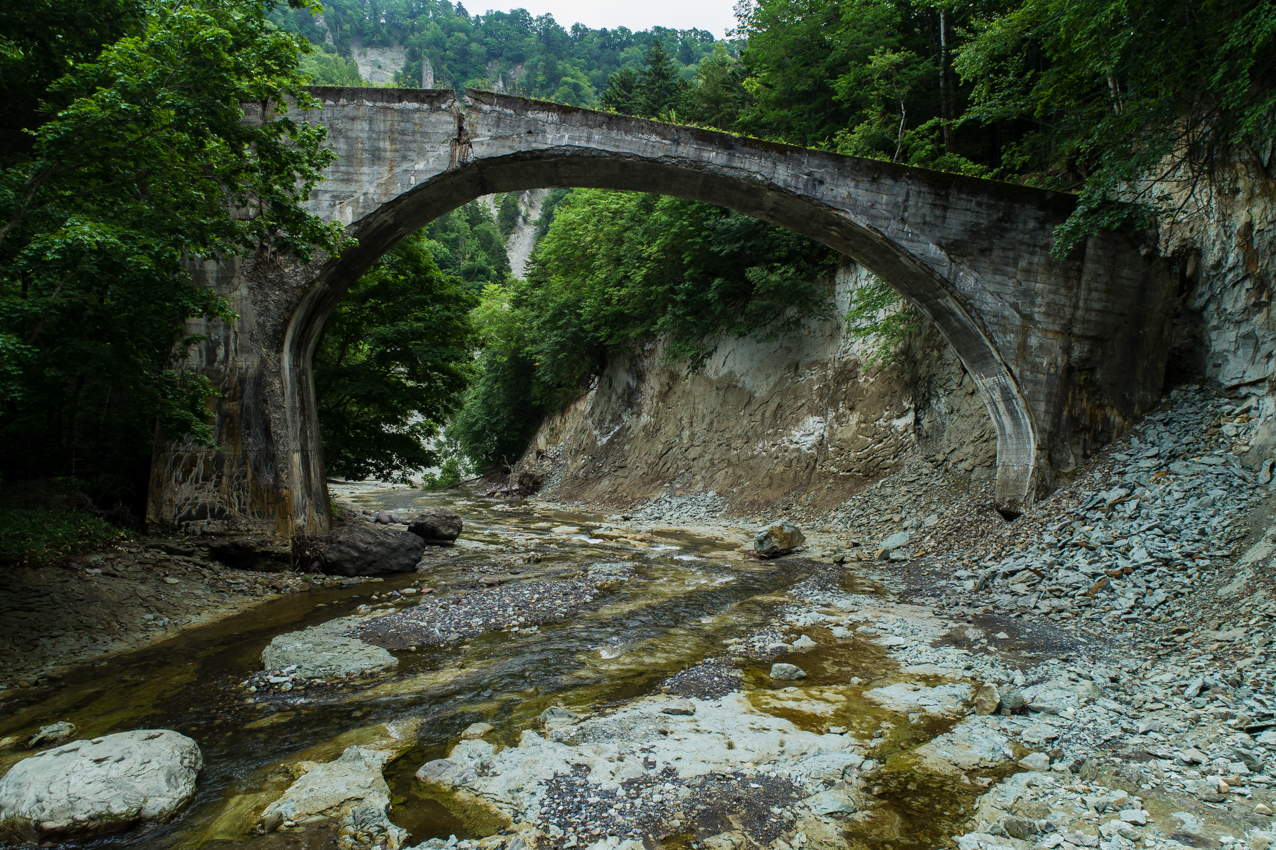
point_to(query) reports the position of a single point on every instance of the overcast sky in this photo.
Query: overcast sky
(712, 15)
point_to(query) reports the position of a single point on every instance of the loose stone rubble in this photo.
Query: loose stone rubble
(439, 621)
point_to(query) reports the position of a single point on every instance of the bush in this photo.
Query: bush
(36, 537)
(879, 315)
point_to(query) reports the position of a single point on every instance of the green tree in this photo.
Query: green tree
(886, 84)
(468, 244)
(1116, 93)
(660, 87)
(508, 213)
(621, 94)
(140, 159)
(326, 68)
(500, 412)
(794, 57)
(658, 90)
(717, 97)
(392, 365)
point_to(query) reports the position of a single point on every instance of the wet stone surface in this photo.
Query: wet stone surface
(576, 812)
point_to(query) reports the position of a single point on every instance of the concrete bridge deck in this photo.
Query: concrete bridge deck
(1065, 354)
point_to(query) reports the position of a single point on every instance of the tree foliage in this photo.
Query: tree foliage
(1118, 94)
(325, 67)
(512, 51)
(508, 213)
(136, 160)
(392, 365)
(467, 243)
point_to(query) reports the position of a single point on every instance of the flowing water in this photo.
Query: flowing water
(688, 595)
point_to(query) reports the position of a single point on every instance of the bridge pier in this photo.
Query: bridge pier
(1066, 354)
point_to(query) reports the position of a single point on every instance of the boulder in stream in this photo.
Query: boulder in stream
(437, 526)
(786, 672)
(362, 549)
(100, 785)
(324, 651)
(350, 789)
(778, 539)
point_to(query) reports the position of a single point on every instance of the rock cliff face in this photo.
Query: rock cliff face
(802, 419)
(1226, 242)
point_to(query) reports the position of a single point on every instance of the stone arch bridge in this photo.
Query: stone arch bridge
(1064, 353)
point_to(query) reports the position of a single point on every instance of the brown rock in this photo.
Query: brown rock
(987, 700)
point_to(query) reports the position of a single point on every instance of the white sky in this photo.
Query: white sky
(712, 15)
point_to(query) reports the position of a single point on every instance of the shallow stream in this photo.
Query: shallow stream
(687, 597)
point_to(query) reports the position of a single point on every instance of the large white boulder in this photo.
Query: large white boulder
(350, 790)
(325, 650)
(100, 785)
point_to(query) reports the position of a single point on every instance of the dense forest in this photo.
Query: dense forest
(509, 51)
(121, 140)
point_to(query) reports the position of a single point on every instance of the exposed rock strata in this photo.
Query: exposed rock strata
(800, 418)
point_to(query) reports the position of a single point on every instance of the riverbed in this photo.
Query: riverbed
(649, 710)
(691, 616)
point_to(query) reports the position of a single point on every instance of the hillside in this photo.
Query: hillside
(434, 44)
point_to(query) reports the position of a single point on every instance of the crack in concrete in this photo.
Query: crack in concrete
(460, 148)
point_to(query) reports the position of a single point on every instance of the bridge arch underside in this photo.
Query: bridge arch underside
(382, 229)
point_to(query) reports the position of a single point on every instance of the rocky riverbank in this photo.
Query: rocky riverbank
(1121, 630)
(130, 596)
(1095, 673)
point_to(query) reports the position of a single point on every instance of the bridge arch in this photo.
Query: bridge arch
(1065, 353)
(683, 175)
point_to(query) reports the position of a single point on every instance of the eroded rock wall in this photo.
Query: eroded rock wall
(801, 419)
(1225, 240)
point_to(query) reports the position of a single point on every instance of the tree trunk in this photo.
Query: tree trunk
(946, 94)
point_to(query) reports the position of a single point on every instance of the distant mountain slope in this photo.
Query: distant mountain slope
(435, 44)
